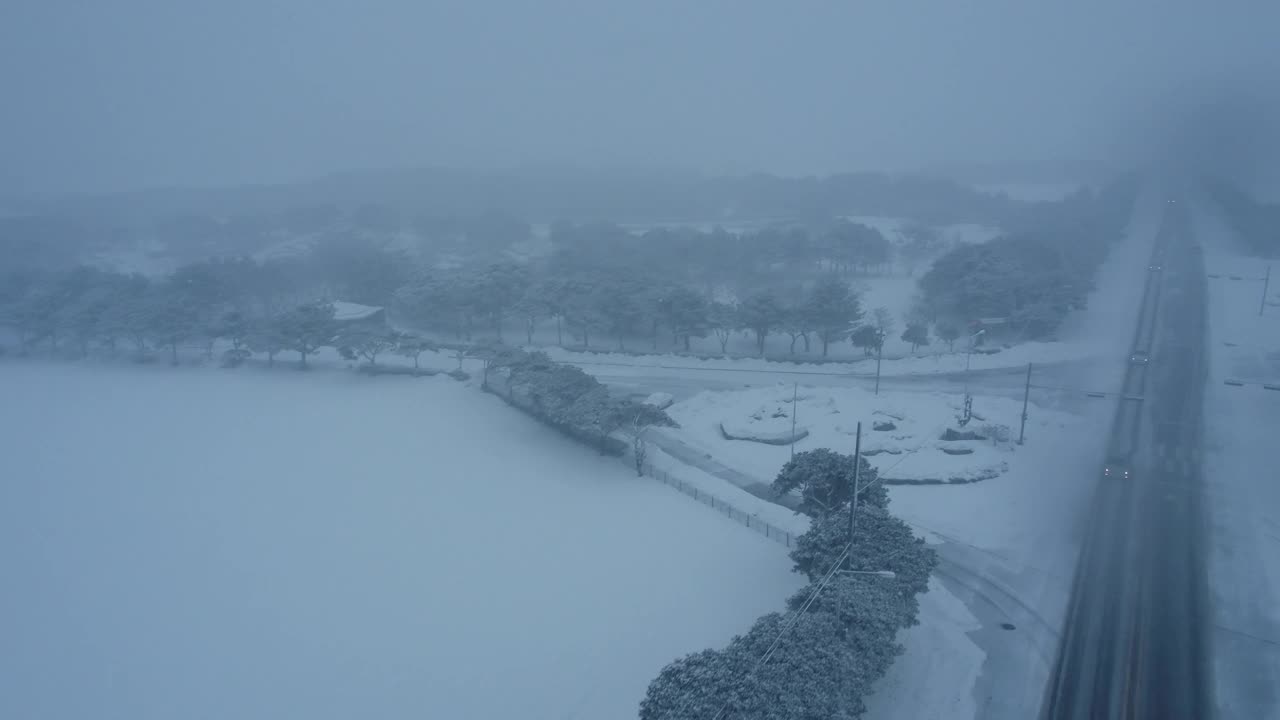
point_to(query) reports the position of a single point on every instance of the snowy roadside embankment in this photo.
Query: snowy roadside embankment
(1240, 484)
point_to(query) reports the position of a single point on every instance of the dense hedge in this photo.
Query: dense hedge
(567, 398)
(839, 635)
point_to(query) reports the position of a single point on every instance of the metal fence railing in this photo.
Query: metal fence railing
(710, 500)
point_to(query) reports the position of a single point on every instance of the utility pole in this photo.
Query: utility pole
(1266, 286)
(795, 392)
(853, 502)
(879, 354)
(1026, 396)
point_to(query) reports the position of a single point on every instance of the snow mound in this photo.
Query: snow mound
(744, 432)
(660, 400)
(349, 311)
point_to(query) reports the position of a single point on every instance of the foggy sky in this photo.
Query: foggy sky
(125, 94)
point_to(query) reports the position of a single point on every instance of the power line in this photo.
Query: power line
(813, 596)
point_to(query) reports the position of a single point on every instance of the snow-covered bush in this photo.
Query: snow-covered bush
(568, 399)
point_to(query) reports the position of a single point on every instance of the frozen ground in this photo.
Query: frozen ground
(250, 544)
(1241, 482)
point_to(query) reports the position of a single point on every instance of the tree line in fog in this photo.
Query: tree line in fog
(593, 285)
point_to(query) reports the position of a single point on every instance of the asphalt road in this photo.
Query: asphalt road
(1134, 643)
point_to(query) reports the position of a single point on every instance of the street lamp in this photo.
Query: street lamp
(969, 353)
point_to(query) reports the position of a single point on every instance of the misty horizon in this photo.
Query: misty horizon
(107, 99)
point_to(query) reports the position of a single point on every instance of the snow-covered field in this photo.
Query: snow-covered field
(251, 544)
(1241, 483)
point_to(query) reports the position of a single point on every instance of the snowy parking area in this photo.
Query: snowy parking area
(253, 544)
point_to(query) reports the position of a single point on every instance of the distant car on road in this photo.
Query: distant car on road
(1117, 470)
(1155, 266)
(1140, 357)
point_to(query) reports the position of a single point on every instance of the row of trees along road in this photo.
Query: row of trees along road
(1034, 275)
(839, 634)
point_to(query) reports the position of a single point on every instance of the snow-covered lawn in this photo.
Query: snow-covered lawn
(252, 544)
(1241, 484)
(902, 431)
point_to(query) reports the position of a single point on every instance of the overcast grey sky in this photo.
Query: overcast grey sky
(115, 94)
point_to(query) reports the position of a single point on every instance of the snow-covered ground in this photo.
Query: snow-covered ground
(252, 544)
(935, 677)
(1241, 484)
(902, 431)
(1009, 543)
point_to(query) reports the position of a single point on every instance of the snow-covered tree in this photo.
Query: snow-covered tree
(917, 333)
(412, 346)
(880, 542)
(366, 342)
(832, 309)
(307, 328)
(824, 479)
